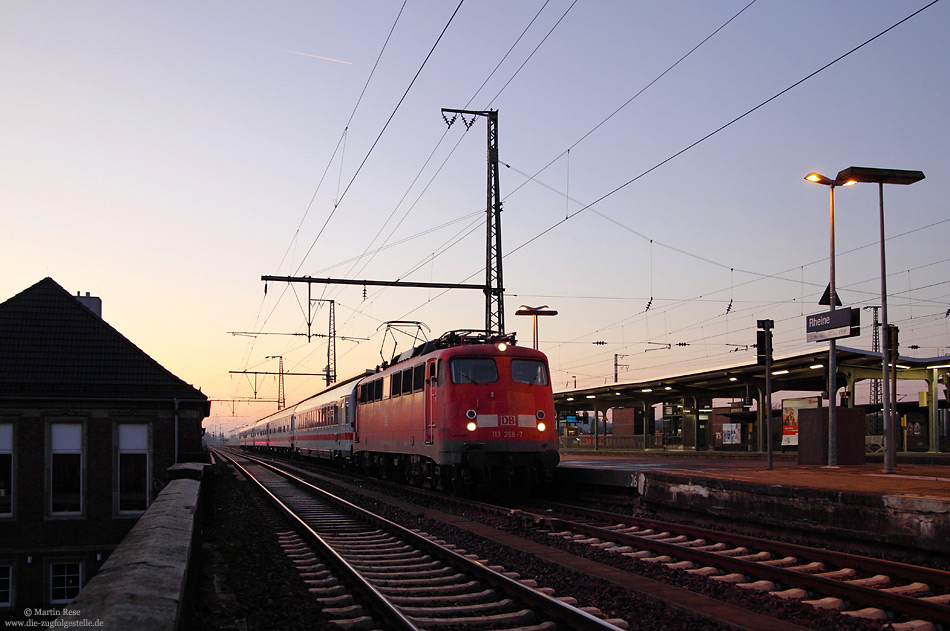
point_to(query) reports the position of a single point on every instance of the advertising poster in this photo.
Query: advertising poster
(790, 409)
(731, 434)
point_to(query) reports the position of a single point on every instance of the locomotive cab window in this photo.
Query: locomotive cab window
(473, 370)
(529, 371)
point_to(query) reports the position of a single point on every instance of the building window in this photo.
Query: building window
(6, 473)
(65, 580)
(6, 585)
(133, 467)
(66, 468)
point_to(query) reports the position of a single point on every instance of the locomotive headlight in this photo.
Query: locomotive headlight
(471, 426)
(540, 415)
(502, 347)
(471, 414)
(541, 427)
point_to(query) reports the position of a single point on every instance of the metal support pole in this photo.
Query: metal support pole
(895, 423)
(646, 419)
(764, 346)
(890, 446)
(768, 398)
(932, 415)
(596, 430)
(494, 283)
(832, 352)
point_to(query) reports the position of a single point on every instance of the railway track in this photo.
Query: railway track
(368, 572)
(855, 585)
(911, 598)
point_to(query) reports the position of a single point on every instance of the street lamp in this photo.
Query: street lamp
(534, 312)
(853, 175)
(832, 344)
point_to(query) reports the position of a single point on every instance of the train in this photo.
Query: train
(465, 410)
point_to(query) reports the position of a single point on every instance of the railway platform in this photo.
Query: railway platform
(910, 507)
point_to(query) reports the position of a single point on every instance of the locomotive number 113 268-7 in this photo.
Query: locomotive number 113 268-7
(508, 433)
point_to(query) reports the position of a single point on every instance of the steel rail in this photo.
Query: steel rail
(538, 601)
(905, 605)
(377, 601)
(842, 559)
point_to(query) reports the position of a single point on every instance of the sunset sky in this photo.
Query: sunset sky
(164, 156)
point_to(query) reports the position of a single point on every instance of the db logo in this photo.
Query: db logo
(507, 420)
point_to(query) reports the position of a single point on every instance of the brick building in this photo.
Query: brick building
(88, 426)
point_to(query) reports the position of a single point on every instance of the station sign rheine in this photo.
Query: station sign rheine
(833, 324)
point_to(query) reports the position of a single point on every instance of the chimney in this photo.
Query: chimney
(93, 303)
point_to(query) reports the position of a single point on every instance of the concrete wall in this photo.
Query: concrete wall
(917, 522)
(143, 583)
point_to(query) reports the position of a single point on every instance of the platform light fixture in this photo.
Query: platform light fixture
(534, 312)
(854, 175)
(818, 178)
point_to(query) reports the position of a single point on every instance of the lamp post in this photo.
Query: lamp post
(832, 344)
(853, 175)
(534, 312)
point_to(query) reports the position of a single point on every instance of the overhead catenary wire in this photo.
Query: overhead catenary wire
(430, 259)
(704, 138)
(382, 131)
(721, 128)
(368, 153)
(630, 100)
(257, 324)
(465, 231)
(550, 31)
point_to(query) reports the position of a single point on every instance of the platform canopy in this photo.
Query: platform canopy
(805, 372)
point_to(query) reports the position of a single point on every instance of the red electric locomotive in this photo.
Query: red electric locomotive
(463, 409)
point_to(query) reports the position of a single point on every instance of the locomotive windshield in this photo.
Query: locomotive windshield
(530, 371)
(473, 370)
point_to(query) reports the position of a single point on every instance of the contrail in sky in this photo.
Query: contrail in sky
(293, 52)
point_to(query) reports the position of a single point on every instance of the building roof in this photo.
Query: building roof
(53, 346)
